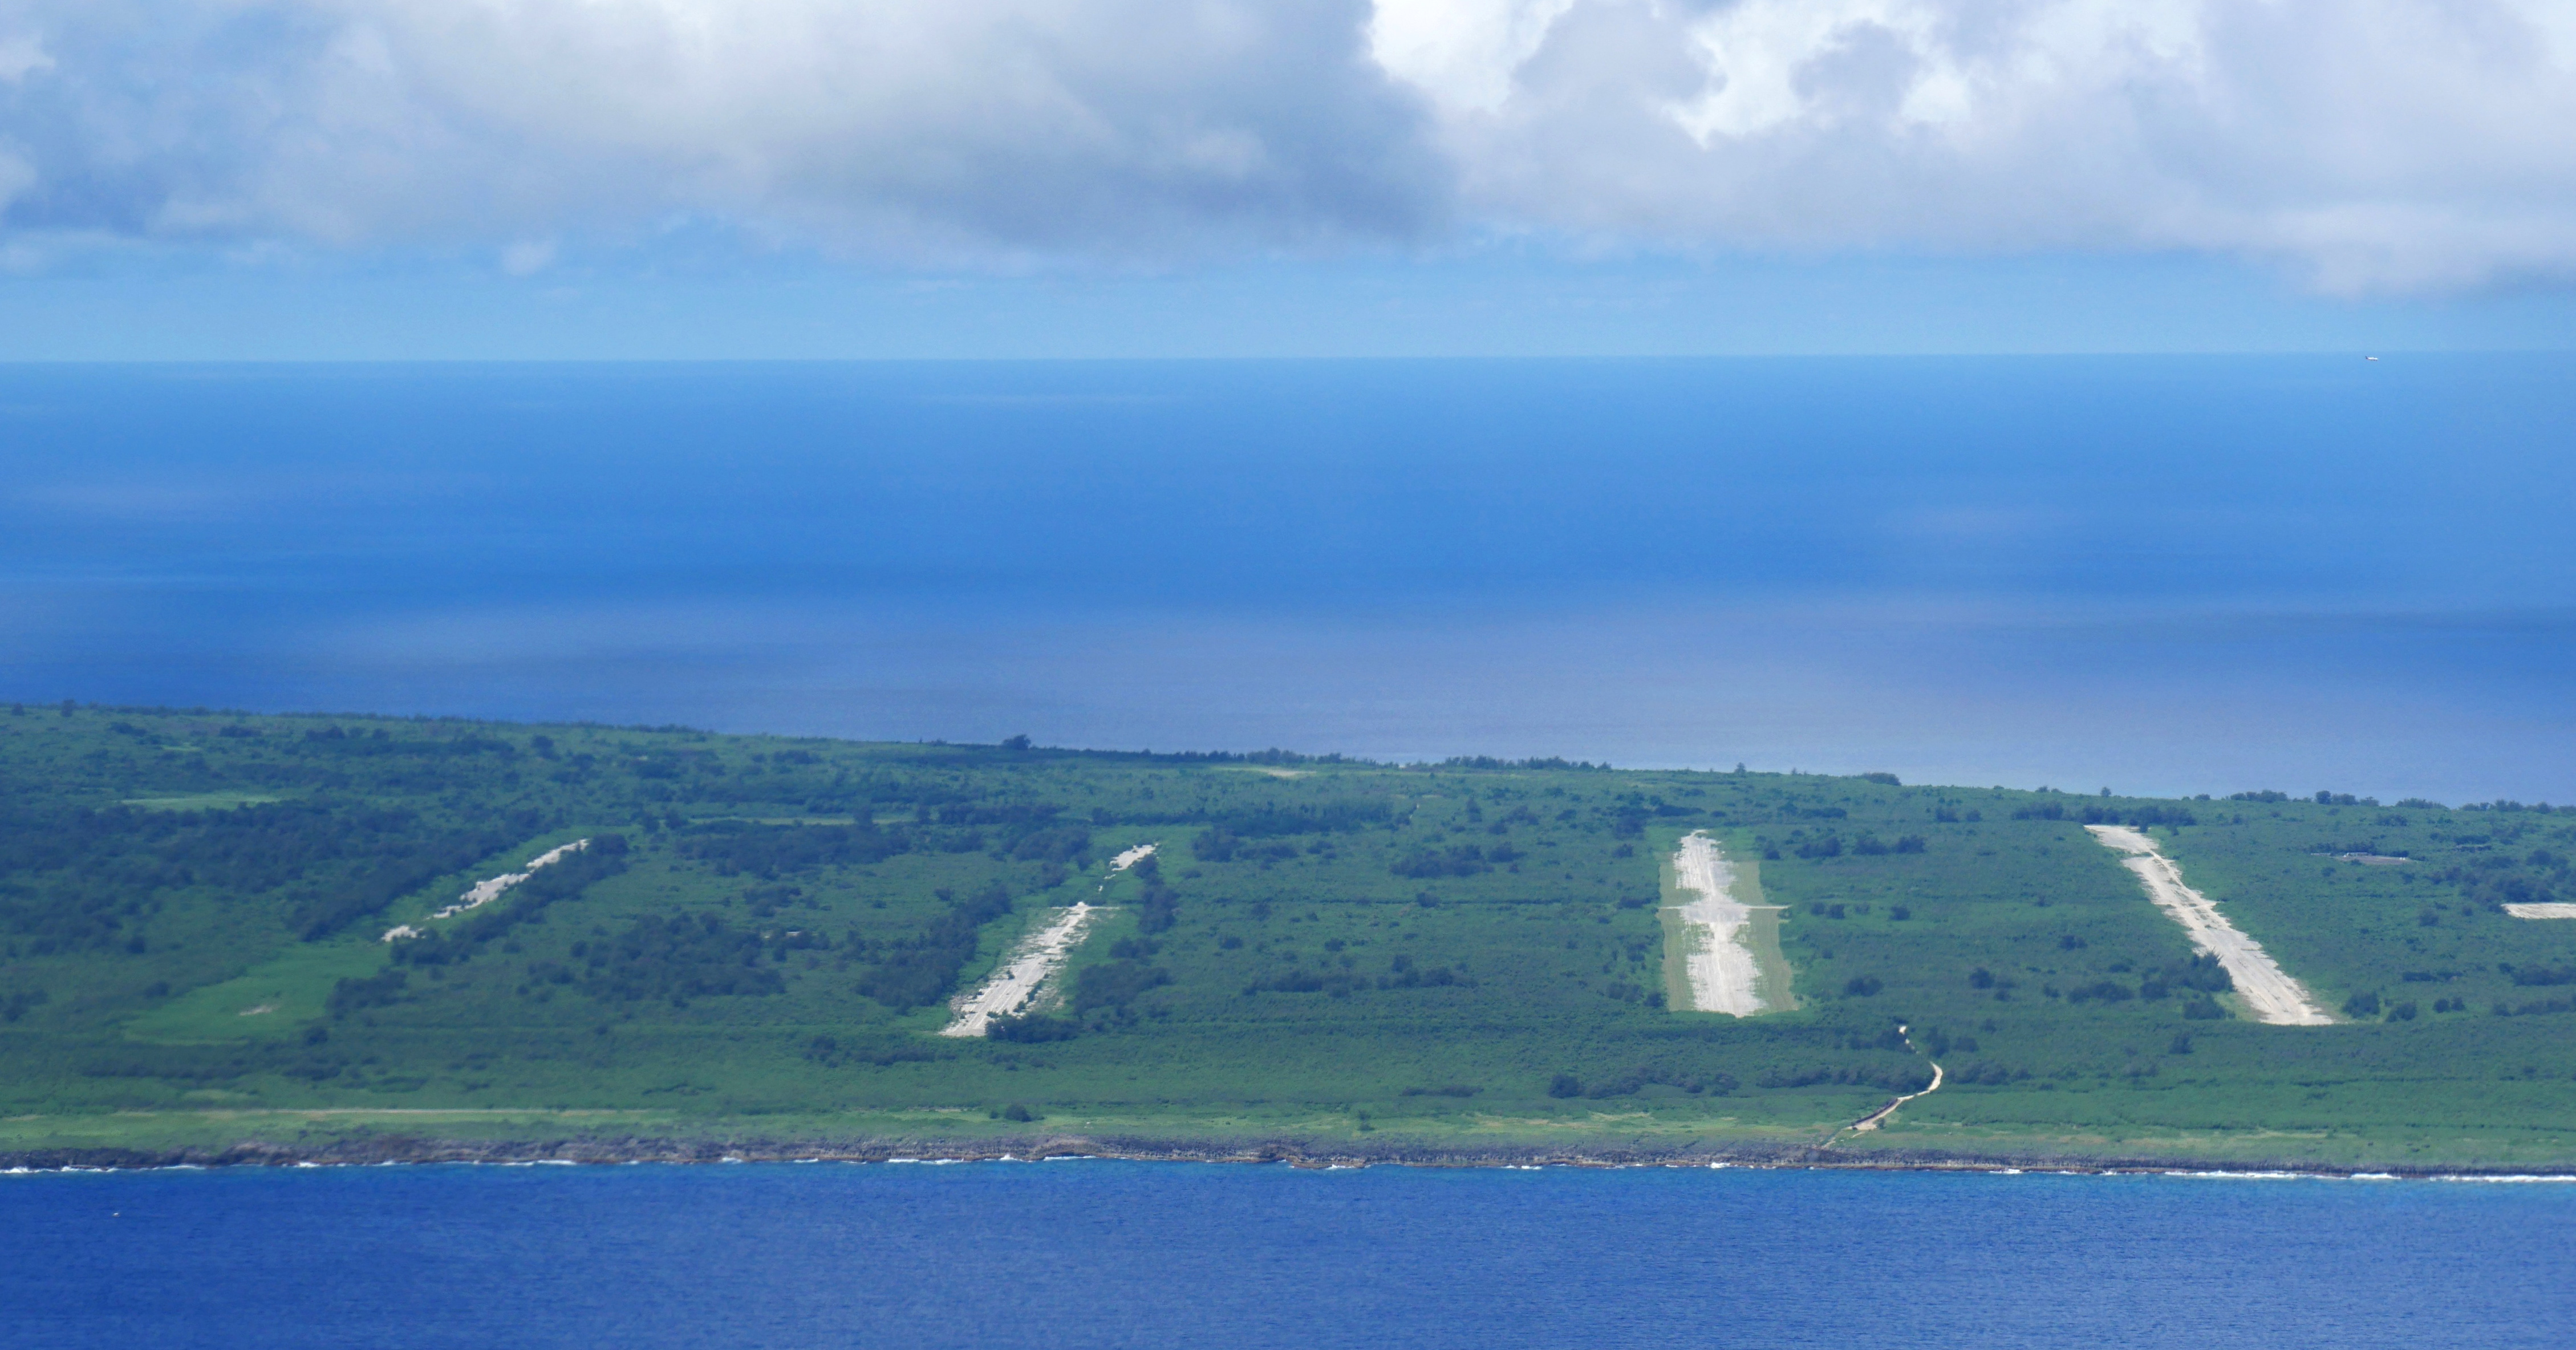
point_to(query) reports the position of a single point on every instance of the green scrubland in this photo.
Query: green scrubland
(762, 936)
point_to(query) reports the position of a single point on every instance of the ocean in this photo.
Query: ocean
(2160, 575)
(2155, 574)
(1113, 1254)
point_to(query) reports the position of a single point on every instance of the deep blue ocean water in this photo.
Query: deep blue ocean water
(1084, 1254)
(2158, 574)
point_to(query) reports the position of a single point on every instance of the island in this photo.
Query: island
(248, 938)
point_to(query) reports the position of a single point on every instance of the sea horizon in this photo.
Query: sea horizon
(2161, 574)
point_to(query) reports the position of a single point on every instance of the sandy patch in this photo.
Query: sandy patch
(2546, 910)
(1718, 961)
(484, 892)
(257, 1011)
(1130, 858)
(2274, 998)
(1015, 986)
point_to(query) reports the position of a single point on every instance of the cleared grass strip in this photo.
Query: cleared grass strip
(1722, 965)
(2269, 993)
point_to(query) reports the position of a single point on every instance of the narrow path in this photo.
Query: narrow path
(1878, 1117)
(2269, 993)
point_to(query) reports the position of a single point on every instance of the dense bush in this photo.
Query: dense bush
(1031, 1028)
(1458, 860)
(679, 957)
(833, 1052)
(922, 970)
(1115, 984)
(373, 991)
(1158, 908)
(736, 847)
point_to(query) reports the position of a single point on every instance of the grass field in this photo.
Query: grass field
(766, 933)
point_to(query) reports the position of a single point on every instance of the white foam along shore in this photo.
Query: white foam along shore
(484, 892)
(2544, 909)
(2274, 998)
(1722, 971)
(1015, 986)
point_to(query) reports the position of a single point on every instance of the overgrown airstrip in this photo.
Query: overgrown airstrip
(375, 932)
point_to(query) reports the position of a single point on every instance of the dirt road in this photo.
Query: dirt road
(1721, 968)
(2269, 993)
(1012, 987)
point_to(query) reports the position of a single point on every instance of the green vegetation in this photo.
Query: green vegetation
(762, 935)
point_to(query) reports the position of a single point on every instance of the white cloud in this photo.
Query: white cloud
(922, 129)
(2370, 144)
(527, 257)
(2378, 145)
(21, 55)
(1463, 52)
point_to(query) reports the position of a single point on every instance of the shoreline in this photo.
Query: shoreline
(569, 1152)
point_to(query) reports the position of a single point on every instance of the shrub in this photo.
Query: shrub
(1158, 908)
(921, 970)
(679, 957)
(374, 991)
(1459, 860)
(1030, 1028)
(735, 847)
(1115, 984)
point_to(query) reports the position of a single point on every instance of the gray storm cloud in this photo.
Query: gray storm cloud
(2372, 145)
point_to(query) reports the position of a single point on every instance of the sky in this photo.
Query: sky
(306, 179)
